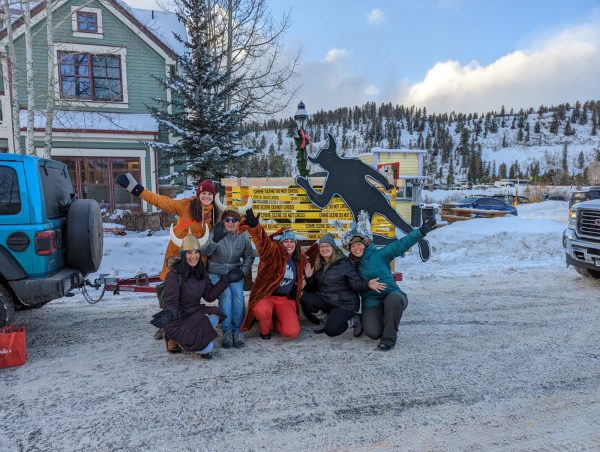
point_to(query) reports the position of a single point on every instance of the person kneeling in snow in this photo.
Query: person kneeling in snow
(187, 322)
(331, 288)
(381, 311)
(276, 291)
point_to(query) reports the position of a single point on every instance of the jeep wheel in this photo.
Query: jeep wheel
(7, 307)
(84, 236)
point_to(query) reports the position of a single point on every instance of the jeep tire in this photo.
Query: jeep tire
(7, 307)
(84, 236)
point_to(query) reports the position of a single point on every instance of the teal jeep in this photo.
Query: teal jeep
(49, 241)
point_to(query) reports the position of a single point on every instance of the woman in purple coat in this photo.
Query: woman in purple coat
(188, 323)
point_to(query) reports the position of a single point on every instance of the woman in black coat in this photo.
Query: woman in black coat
(188, 323)
(332, 287)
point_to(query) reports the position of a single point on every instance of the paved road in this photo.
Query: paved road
(496, 361)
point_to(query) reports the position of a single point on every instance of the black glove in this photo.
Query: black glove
(251, 220)
(162, 318)
(234, 275)
(219, 232)
(427, 226)
(128, 182)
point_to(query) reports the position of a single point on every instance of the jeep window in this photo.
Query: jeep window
(57, 187)
(10, 198)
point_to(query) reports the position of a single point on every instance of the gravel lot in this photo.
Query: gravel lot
(509, 360)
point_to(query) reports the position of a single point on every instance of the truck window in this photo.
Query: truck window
(10, 198)
(57, 187)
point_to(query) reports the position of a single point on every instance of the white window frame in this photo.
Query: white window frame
(80, 9)
(93, 49)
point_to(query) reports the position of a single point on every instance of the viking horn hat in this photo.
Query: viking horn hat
(222, 207)
(190, 241)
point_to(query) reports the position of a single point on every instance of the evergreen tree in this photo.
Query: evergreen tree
(502, 171)
(581, 160)
(207, 133)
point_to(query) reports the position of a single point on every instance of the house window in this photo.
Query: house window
(87, 22)
(86, 76)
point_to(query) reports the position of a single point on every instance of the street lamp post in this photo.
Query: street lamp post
(301, 118)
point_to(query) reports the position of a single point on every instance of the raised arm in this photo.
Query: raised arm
(164, 203)
(400, 246)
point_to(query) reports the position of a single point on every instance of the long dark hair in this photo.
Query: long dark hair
(196, 211)
(187, 272)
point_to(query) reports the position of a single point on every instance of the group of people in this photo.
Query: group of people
(327, 287)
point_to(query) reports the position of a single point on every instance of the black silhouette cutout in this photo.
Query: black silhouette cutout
(348, 178)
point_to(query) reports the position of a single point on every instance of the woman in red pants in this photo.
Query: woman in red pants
(275, 297)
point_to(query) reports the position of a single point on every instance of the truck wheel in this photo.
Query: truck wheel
(588, 273)
(7, 307)
(84, 236)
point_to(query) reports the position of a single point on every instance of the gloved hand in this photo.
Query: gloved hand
(251, 220)
(427, 226)
(162, 318)
(219, 232)
(128, 182)
(234, 275)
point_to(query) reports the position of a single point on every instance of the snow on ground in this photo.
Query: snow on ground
(498, 350)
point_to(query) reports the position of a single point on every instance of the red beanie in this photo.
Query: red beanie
(206, 185)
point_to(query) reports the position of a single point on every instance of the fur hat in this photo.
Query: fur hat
(206, 185)
(359, 231)
(328, 238)
(288, 234)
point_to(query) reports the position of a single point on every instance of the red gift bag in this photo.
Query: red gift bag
(12, 346)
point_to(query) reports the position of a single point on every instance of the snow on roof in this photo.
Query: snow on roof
(91, 120)
(163, 24)
(401, 151)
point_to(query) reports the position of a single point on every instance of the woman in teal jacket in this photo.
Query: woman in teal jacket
(381, 311)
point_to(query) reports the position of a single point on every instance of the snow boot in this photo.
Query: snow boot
(238, 340)
(208, 355)
(384, 347)
(227, 340)
(172, 346)
(310, 316)
(357, 325)
(160, 334)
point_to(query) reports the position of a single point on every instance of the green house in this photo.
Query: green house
(108, 59)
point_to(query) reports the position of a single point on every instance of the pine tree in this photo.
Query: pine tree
(581, 160)
(207, 133)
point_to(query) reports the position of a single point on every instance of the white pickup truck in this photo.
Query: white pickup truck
(581, 239)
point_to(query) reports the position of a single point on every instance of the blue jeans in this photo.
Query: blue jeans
(232, 304)
(213, 319)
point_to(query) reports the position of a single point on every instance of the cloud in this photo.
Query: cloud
(563, 68)
(375, 16)
(335, 54)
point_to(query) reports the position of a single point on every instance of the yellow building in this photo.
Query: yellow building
(404, 168)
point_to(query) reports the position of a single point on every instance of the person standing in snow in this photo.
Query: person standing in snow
(331, 288)
(189, 324)
(227, 250)
(275, 297)
(381, 311)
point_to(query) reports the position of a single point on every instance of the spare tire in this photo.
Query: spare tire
(84, 241)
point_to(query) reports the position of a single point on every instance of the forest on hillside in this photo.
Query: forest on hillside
(551, 144)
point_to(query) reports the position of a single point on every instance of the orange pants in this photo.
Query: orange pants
(283, 309)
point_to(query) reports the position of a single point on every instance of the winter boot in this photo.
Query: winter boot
(357, 325)
(227, 340)
(160, 334)
(266, 337)
(206, 355)
(310, 316)
(172, 346)
(238, 340)
(384, 347)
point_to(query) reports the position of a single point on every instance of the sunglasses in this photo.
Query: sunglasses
(230, 220)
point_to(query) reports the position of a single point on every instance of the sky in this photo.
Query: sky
(445, 55)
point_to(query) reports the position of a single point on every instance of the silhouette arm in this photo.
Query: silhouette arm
(374, 174)
(319, 199)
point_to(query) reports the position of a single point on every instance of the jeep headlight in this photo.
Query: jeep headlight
(572, 218)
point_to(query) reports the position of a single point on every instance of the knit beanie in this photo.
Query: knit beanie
(206, 185)
(328, 238)
(232, 212)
